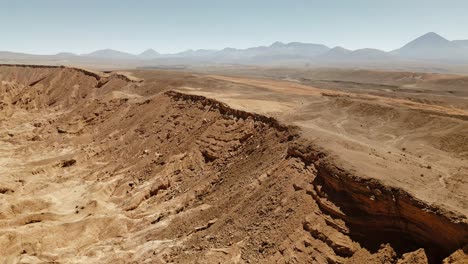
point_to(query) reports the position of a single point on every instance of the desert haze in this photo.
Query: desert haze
(188, 150)
(428, 53)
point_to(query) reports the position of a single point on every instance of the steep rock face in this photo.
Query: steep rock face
(373, 212)
(376, 213)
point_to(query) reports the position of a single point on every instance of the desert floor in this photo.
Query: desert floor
(232, 166)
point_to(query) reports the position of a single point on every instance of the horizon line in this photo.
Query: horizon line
(199, 49)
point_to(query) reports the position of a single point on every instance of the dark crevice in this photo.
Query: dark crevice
(38, 81)
(386, 217)
(379, 214)
(208, 157)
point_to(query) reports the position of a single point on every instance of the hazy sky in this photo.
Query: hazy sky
(80, 26)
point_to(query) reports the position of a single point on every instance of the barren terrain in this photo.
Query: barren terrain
(263, 166)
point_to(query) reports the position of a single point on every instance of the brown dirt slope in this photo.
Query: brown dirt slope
(121, 172)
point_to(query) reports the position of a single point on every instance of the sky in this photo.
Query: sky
(82, 26)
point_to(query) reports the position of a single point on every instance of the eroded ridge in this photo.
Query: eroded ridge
(177, 178)
(97, 75)
(374, 212)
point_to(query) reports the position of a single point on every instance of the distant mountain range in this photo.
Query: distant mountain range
(429, 47)
(276, 50)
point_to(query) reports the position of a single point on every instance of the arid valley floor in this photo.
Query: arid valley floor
(249, 165)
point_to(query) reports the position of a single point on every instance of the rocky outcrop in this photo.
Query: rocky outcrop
(97, 75)
(376, 213)
(34, 87)
(416, 257)
(224, 109)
